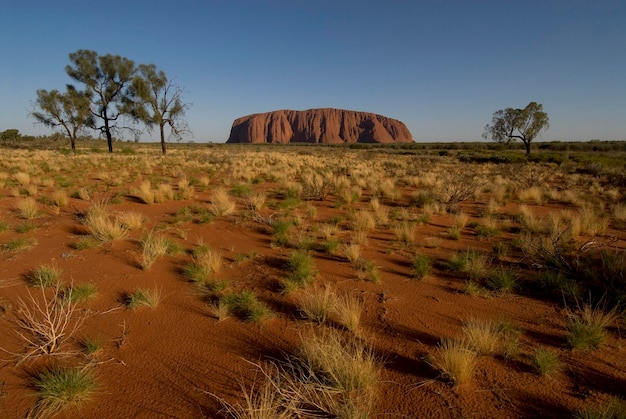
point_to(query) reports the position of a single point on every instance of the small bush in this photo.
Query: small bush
(45, 276)
(81, 293)
(91, 346)
(246, 306)
(347, 365)
(614, 408)
(28, 208)
(456, 361)
(484, 336)
(143, 298)
(587, 327)
(502, 280)
(18, 244)
(221, 204)
(545, 362)
(62, 388)
(301, 271)
(422, 266)
(318, 304)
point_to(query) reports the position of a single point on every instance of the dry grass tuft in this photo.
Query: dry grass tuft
(456, 360)
(27, 207)
(103, 227)
(131, 220)
(221, 203)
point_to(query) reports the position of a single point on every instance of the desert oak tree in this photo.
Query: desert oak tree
(157, 101)
(70, 111)
(510, 124)
(106, 79)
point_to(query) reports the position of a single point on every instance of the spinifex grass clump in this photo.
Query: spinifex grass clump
(456, 360)
(206, 262)
(246, 306)
(301, 271)
(80, 293)
(143, 298)
(422, 266)
(60, 389)
(347, 364)
(221, 203)
(27, 208)
(587, 327)
(102, 225)
(45, 276)
(484, 336)
(155, 245)
(545, 361)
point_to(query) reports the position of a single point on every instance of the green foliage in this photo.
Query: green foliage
(422, 266)
(614, 408)
(157, 101)
(81, 293)
(91, 346)
(241, 190)
(300, 269)
(502, 280)
(246, 306)
(62, 388)
(106, 79)
(69, 111)
(18, 244)
(25, 227)
(45, 276)
(510, 124)
(545, 361)
(143, 298)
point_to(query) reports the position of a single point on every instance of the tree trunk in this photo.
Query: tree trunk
(162, 129)
(527, 145)
(73, 143)
(107, 131)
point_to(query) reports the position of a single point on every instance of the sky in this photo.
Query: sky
(440, 66)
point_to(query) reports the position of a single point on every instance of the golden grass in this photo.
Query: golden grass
(153, 246)
(352, 252)
(455, 360)
(221, 203)
(348, 364)
(102, 225)
(28, 208)
(60, 198)
(347, 312)
(317, 304)
(144, 192)
(131, 220)
(484, 336)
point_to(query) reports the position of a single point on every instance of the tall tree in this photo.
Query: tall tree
(71, 111)
(157, 101)
(510, 124)
(106, 79)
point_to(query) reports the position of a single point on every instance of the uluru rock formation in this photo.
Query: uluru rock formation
(326, 126)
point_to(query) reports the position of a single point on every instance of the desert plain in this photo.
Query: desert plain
(227, 281)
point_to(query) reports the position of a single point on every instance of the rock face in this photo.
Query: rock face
(326, 126)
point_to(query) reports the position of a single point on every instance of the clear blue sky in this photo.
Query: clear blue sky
(442, 67)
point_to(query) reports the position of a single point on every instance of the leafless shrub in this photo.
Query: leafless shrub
(46, 323)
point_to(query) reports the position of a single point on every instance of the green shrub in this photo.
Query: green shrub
(62, 388)
(545, 362)
(246, 306)
(502, 280)
(422, 266)
(45, 276)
